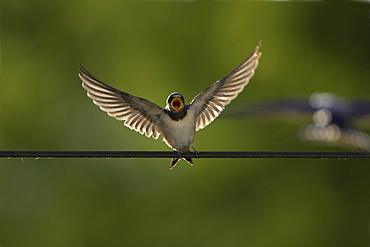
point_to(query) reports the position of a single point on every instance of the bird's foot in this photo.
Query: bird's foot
(195, 151)
(179, 153)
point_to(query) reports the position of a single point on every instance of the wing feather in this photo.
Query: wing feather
(139, 114)
(209, 104)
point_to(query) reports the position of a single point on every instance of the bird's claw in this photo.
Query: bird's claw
(179, 153)
(196, 152)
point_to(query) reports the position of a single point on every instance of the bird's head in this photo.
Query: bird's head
(175, 102)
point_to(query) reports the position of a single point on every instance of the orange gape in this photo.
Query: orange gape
(177, 103)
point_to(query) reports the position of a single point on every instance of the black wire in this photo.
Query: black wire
(168, 154)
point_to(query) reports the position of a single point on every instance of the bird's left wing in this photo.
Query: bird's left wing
(139, 114)
(210, 103)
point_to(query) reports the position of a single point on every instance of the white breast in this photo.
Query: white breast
(178, 135)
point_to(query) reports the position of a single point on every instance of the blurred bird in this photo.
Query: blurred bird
(333, 117)
(177, 122)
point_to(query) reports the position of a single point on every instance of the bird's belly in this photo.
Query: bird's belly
(179, 134)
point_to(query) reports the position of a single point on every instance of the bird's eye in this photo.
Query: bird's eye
(170, 99)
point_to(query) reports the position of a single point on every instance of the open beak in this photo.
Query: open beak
(177, 104)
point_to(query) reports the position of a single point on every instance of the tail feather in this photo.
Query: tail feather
(189, 160)
(175, 160)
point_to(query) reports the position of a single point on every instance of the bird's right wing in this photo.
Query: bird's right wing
(139, 114)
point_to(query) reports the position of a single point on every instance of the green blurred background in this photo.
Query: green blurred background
(151, 49)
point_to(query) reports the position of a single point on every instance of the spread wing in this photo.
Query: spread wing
(139, 114)
(210, 103)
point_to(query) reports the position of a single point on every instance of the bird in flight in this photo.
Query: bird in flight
(177, 122)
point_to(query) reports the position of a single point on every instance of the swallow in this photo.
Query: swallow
(177, 122)
(334, 120)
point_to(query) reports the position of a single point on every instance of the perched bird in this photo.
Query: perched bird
(334, 119)
(177, 122)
